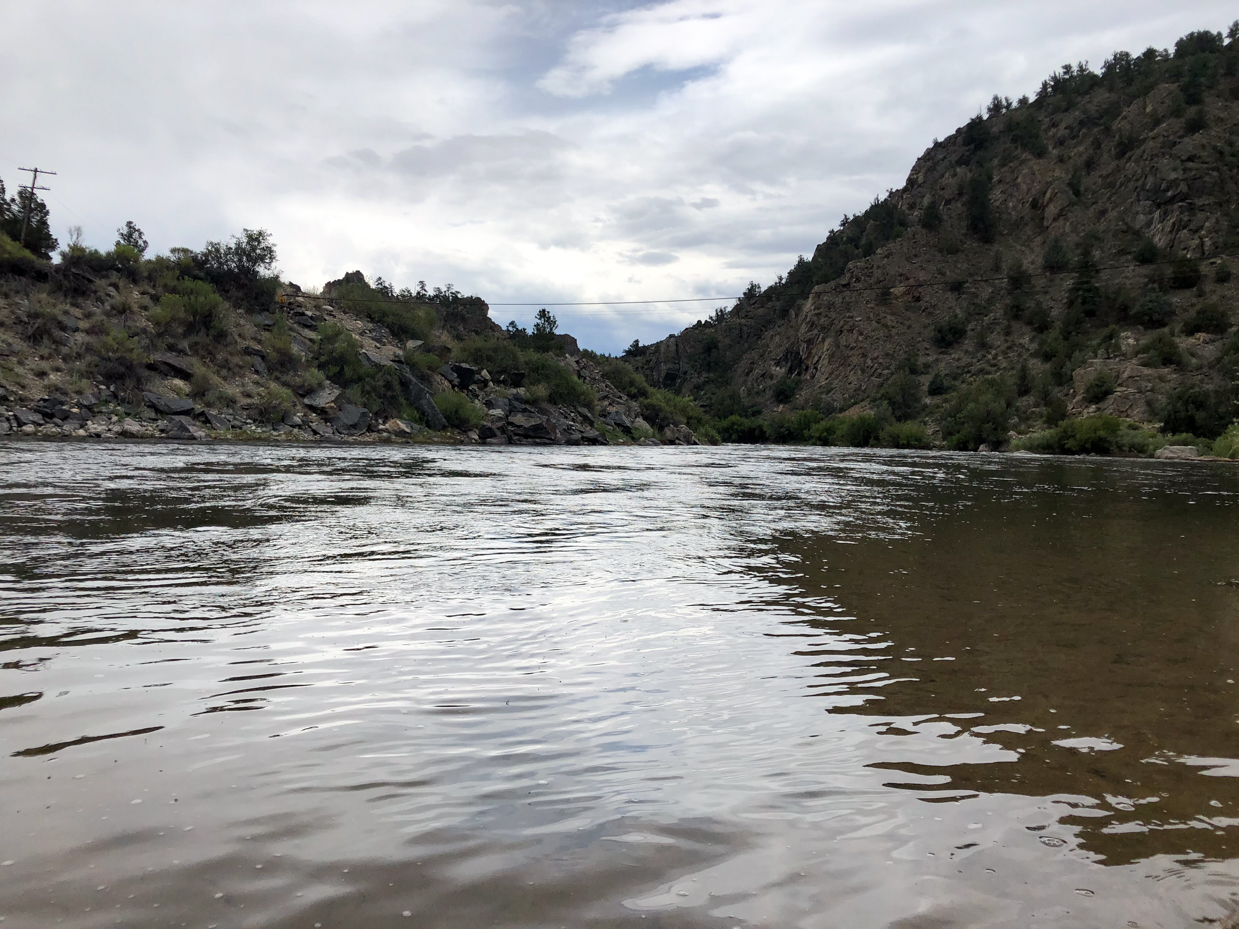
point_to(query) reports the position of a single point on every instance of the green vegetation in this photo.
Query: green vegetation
(459, 411)
(405, 314)
(1227, 444)
(979, 414)
(1199, 411)
(1092, 435)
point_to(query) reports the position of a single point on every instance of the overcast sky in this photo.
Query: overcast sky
(551, 151)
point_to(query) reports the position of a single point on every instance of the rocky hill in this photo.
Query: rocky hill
(1064, 256)
(210, 344)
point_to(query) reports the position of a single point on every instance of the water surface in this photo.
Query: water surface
(338, 687)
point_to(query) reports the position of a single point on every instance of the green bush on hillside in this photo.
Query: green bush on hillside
(979, 414)
(1199, 410)
(1210, 318)
(1092, 435)
(459, 411)
(1227, 444)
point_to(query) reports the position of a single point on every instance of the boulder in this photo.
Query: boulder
(322, 397)
(653, 443)
(399, 427)
(4, 426)
(169, 406)
(374, 359)
(322, 429)
(182, 427)
(679, 435)
(263, 320)
(490, 430)
(259, 366)
(88, 400)
(1177, 452)
(28, 429)
(593, 437)
(528, 426)
(500, 405)
(131, 429)
(27, 418)
(216, 422)
(617, 419)
(351, 420)
(466, 375)
(293, 420)
(420, 399)
(450, 376)
(174, 365)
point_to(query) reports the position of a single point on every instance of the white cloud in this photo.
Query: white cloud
(551, 151)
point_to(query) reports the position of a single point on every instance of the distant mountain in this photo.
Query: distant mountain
(1067, 255)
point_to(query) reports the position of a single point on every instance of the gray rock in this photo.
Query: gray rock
(293, 420)
(466, 375)
(263, 320)
(421, 399)
(653, 443)
(1173, 452)
(351, 420)
(619, 420)
(527, 426)
(27, 418)
(132, 430)
(322, 429)
(679, 435)
(449, 375)
(322, 397)
(169, 406)
(182, 427)
(375, 360)
(488, 431)
(88, 400)
(498, 404)
(216, 422)
(174, 365)
(4, 426)
(593, 437)
(260, 367)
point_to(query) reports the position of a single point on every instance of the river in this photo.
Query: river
(364, 686)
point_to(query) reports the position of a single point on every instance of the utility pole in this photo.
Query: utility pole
(34, 185)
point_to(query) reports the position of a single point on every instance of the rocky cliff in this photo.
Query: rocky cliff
(1075, 246)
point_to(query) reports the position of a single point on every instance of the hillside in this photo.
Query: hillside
(212, 344)
(1063, 256)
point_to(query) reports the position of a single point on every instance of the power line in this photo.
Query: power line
(843, 288)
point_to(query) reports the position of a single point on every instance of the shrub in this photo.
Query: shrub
(931, 216)
(338, 356)
(241, 267)
(1227, 444)
(1153, 311)
(278, 344)
(561, 384)
(1202, 412)
(1222, 273)
(1160, 350)
(192, 308)
(785, 389)
(1092, 435)
(1209, 317)
(273, 403)
(459, 411)
(1100, 386)
(119, 359)
(982, 222)
(1146, 251)
(1057, 258)
(622, 377)
(661, 408)
(1197, 121)
(1185, 273)
(938, 385)
(793, 427)
(739, 429)
(950, 331)
(904, 435)
(401, 313)
(859, 431)
(977, 415)
(902, 393)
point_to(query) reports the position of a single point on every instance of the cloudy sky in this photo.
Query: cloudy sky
(551, 151)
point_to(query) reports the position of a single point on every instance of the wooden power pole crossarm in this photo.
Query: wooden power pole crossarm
(34, 185)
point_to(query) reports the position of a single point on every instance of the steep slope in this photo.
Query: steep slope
(1075, 247)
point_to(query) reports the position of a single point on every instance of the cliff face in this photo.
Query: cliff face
(1082, 232)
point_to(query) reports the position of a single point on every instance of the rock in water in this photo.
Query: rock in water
(1178, 452)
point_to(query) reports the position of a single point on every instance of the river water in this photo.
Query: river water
(256, 686)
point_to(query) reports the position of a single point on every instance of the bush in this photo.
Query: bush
(1209, 317)
(793, 427)
(1092, 435)
(1160, 350)
(1057, 258)
(938, 385)
(622, 377)
(785, 390)
(1146, 251)
(241, 267)
(1100, 386)
(1185, 273)
(738, 429)
(278, 344)
(982, 222)
(119, 360)
(192, 308)
(561, 384)
(977, 415)
(859, 431)
(401, 313)
(459, 411)
(337, 355)
(1153, 311)
(950, 331)
(1227, 444)
(903, 394)
(904, 435)
(1223, 273)
(273, 403)
(1202, 412)
(500, 357)
(661, 409)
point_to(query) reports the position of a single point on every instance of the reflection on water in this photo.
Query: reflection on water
(604, 687)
